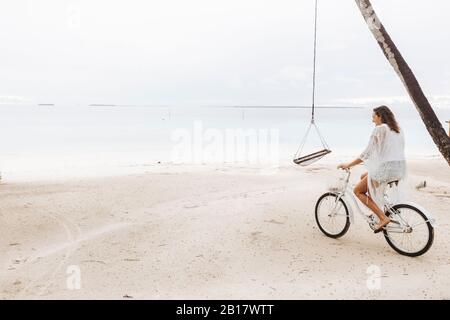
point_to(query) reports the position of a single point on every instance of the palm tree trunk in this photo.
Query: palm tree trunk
(432, 123)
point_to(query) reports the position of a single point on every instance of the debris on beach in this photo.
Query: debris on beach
(421, 185)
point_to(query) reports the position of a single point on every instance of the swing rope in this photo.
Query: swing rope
(314, 63)
(322, 140)
(308, 159)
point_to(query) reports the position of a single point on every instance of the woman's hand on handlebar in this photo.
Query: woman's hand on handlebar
(344, 166)
(348, 166)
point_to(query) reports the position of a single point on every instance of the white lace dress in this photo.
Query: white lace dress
(385, 161)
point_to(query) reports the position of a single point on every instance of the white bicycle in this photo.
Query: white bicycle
(410, 233)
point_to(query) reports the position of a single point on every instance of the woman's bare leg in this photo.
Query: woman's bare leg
(361, 191)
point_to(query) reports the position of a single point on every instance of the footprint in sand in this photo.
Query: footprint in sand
(438, 191)
(190, 206)
(255, 235)
(131, 260)
(315, 169)
(95, 261)
(273, 221)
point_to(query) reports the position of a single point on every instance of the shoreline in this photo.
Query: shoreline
(99, 170)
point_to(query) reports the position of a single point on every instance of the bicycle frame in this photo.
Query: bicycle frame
(347, 194)
(350, 199)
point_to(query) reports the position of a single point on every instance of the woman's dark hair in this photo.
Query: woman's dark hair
(387, 117)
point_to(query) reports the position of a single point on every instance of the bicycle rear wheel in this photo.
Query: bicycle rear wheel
(411, 233)
(332, 215)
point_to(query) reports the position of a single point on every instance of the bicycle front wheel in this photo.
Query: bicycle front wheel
(410, 233)
(332, 215)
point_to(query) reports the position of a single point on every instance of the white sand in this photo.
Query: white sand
(230, 233)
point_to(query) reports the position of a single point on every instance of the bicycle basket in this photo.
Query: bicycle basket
(338, 183)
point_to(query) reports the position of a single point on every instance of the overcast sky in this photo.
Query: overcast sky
(215, 52)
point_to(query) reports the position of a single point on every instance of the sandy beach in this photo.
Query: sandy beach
(208, 233)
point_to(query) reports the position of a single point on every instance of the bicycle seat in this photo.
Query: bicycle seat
(390, 184)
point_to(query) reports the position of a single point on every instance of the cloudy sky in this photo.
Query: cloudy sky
(215, 52)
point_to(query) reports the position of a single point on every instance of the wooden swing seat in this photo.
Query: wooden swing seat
(310, 158)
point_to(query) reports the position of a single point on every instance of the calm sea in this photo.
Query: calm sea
(48, 140)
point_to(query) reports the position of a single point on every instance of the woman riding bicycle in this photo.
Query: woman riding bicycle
(385, 161)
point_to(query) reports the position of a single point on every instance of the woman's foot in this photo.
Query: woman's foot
(382, 224)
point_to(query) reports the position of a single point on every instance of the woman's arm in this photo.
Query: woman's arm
(351, 164)
(371, 149)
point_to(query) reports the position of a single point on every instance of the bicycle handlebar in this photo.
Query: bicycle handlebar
(348, 171)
